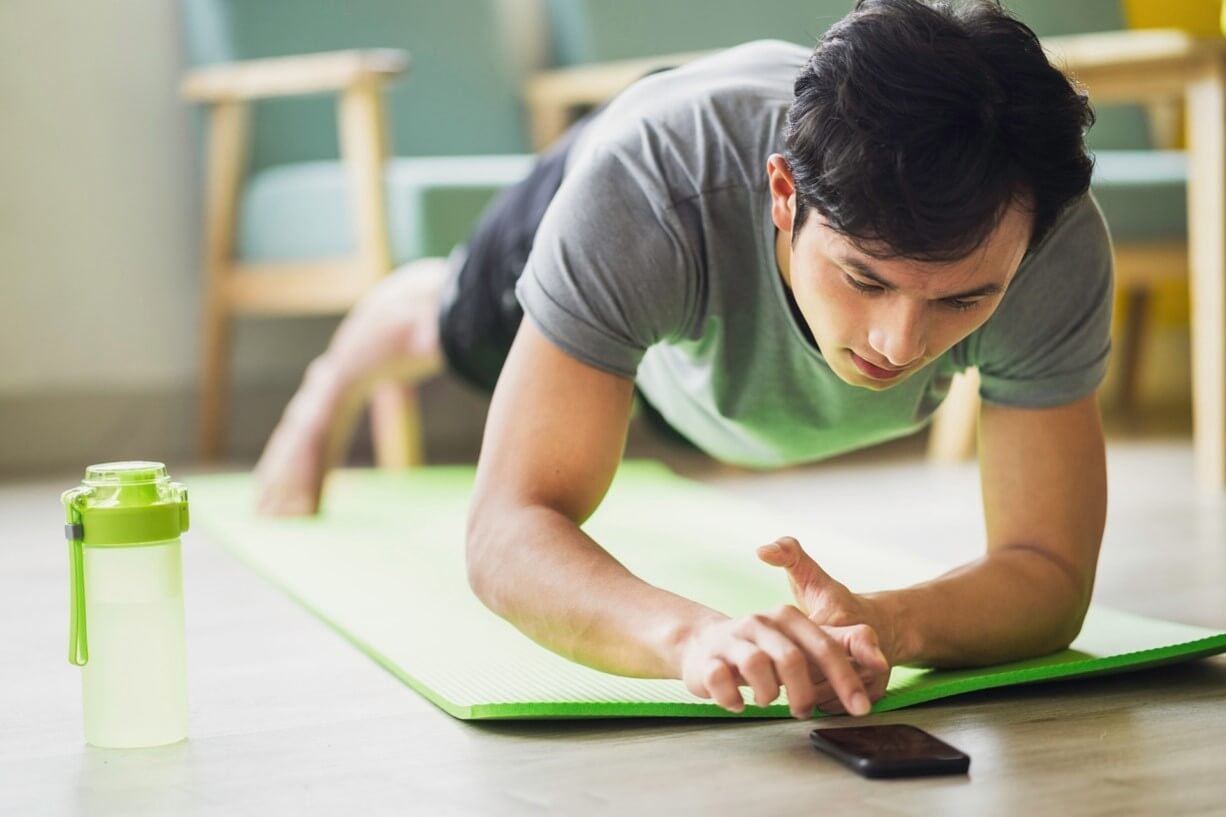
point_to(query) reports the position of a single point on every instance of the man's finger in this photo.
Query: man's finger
(757, 668)
(787, 553)
(831, 706)
(719, 683)
(832, 659)
(793, 667)
(805, 574)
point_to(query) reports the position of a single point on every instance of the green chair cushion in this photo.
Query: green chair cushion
(302, 211)
(1143, 193)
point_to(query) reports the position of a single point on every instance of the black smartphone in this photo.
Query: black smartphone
(890, 750)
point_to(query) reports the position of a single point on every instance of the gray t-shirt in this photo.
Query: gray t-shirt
(655, 261)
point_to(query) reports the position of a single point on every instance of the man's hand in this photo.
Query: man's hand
(818, 666)
(838, 612)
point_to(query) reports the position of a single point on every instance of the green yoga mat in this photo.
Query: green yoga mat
(384, 566)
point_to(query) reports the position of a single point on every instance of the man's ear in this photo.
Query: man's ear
(783, 193)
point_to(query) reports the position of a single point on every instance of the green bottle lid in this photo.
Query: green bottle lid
(134, 482)
(118, 504)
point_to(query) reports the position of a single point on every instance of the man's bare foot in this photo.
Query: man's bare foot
(392, 333)
(289, 476)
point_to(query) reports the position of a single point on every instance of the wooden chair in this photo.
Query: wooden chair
(292, 231)
(232, 287)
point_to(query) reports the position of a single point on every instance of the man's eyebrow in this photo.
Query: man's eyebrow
(865, 270)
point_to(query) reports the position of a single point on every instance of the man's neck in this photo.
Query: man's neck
(783, 257)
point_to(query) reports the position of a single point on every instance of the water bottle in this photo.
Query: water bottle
(126, 603)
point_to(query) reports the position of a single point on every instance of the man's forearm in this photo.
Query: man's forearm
(537, 569)
(1014, 603)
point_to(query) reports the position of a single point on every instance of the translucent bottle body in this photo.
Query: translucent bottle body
(134, 687)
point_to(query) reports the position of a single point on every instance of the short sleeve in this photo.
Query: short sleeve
(1050, 338)
(610, 272)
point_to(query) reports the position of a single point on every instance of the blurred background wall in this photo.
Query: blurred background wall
(99, 215)
(97, 223)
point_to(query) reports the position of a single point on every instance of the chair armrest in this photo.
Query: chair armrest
(553, 95)
(597, 82)
(1138, 48)
(293, 76)
(1135, 66)
(1108, 63)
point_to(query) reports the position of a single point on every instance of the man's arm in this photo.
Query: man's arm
(553, 440)
(1044, 484)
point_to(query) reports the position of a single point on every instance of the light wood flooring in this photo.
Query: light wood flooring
(287, 718)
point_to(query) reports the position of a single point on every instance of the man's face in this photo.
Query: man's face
(877, 322)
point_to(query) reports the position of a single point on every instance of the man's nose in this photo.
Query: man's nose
(899, 333)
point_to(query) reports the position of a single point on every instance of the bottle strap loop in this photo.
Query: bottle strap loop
(78, 640)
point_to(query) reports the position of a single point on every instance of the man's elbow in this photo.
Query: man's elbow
(478, 559)
(1072, 615)
(1072, 602)
(1069, 629)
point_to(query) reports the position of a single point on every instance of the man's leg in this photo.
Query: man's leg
(392, 333)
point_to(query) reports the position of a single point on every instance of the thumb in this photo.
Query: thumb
(787, 553)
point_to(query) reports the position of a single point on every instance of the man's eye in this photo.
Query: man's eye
(861, 286)
(958, 304)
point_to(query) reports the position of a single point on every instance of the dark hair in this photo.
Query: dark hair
(914, 126)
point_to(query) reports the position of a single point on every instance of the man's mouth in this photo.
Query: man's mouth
(872, 370)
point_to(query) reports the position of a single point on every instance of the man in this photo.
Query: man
(788, 255)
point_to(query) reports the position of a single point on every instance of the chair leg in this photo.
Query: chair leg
(214, 382)
(227, 144)
(395, 419)
(952, 435)
(1131, 346)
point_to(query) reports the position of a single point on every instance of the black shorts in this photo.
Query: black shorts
(479, 313)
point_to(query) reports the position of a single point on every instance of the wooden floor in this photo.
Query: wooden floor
(286, 718)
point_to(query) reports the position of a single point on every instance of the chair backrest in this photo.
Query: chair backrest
(586, 31)
(1117, 126)
(461, 96)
